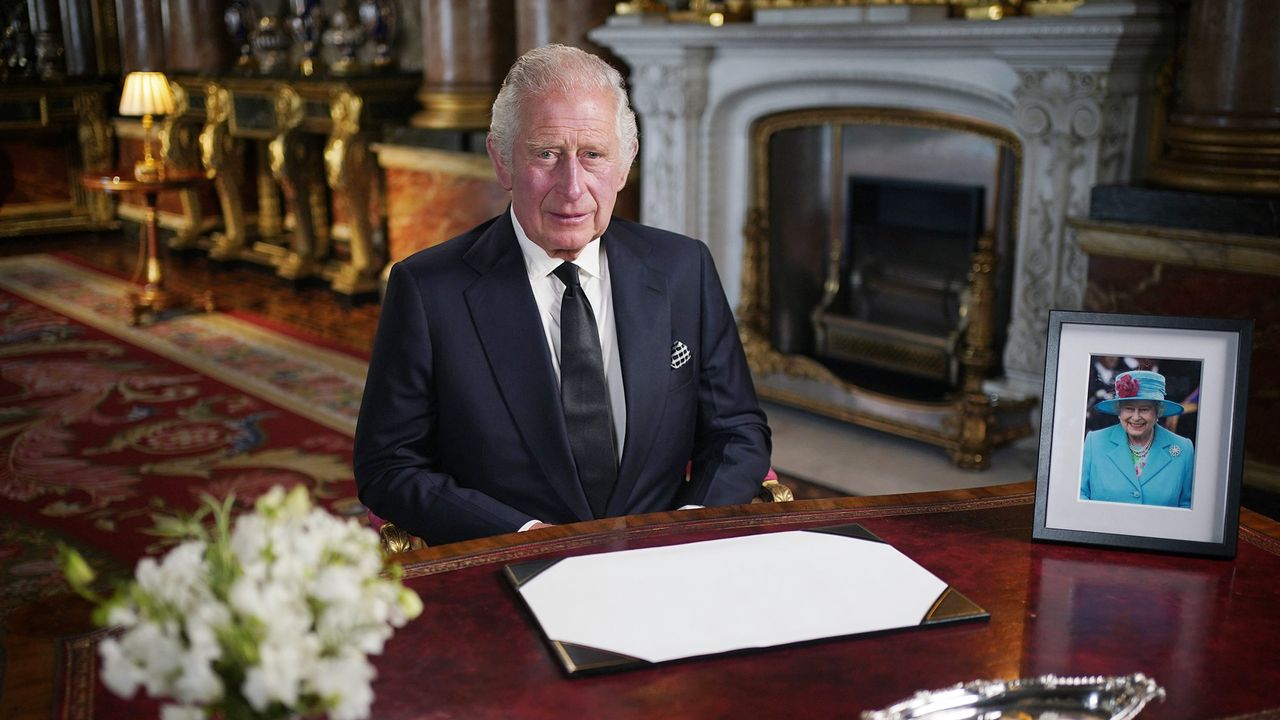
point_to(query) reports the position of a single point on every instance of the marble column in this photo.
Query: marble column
(141, 35)
(1223, 134)
(468, 45)
(194, 38)
(90, 38)
(541, 22)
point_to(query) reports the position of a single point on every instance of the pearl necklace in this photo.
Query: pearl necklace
(1142, 452)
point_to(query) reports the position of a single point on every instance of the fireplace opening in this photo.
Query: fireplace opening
(902, 279)
(871, 223)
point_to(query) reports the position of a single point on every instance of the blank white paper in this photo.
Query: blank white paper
(681, 601)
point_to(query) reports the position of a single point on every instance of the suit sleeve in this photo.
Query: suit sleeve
(732, 443)
(395, 460)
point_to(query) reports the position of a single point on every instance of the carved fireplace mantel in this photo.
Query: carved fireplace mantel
(1074, 92)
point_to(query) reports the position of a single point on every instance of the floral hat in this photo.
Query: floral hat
(1140, 385)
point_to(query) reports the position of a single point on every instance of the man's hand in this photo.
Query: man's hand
(539, 524)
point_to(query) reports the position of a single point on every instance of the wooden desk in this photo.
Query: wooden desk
(154, 298)
(1206, 630)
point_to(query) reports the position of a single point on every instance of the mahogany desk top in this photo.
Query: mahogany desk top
(1207, 630)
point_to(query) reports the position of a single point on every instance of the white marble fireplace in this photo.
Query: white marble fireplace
(1075, 91)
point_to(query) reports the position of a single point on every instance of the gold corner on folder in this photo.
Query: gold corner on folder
(951, 606)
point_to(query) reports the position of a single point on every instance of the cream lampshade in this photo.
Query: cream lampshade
(146, 94)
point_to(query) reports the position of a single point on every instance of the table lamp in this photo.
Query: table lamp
(146, 94)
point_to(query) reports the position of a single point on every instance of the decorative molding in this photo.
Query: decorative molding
(1208, 250)
(1071, 89)
(671, 96)
(1061, 118)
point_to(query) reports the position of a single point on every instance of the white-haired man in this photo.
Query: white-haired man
(556, 364)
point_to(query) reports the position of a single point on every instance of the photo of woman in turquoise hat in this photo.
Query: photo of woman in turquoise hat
(1138, 460)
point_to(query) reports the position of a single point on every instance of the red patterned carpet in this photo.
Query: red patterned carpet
(103, 425)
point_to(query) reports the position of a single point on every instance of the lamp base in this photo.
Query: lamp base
(148, 170)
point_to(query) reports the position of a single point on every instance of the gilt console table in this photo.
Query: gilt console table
(298, 188)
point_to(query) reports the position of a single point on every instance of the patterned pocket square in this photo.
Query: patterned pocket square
(679, 354)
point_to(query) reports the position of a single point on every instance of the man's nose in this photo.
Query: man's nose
(570, 181)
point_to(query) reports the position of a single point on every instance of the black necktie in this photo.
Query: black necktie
(584, 394)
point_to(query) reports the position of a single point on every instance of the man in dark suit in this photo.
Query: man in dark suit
(510, 389)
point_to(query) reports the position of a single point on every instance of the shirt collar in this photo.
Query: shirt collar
(539, 264)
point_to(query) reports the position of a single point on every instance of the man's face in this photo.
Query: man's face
(1138, 418)
(567, 166)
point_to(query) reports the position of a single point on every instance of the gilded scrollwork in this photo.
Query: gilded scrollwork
(291, 165)
(976, 356)
(774, 491)
(214, 134)
(180, 148)
(344, 111)
(93, 130)
(347, 163)
(94, 134)
(223, 155)
(170, 144)
(288, 106)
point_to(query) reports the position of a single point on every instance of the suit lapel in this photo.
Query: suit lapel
(642, 314)
(1158, 458)
(1119, 453)
(506, 319)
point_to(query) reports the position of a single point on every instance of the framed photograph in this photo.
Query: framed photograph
(1142, 431)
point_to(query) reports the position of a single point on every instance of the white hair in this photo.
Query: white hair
(564, 70)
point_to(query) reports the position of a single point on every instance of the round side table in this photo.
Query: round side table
(153, 298)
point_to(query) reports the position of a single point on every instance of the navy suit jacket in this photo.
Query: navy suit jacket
(461, 432)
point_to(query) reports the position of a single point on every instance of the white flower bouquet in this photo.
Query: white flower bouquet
(271, 618)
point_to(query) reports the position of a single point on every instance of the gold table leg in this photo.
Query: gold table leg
(154, 298)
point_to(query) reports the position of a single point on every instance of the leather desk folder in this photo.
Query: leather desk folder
(631, 608)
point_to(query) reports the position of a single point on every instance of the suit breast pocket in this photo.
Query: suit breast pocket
(683, 366)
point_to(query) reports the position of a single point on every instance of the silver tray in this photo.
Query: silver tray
(1048, 697)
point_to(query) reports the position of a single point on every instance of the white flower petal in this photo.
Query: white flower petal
(181, 712)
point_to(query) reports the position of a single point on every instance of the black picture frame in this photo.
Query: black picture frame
(1214, 354)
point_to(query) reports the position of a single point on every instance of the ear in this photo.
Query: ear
(624, 172)
(499, 166)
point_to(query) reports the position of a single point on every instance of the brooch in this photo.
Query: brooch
(1175, 451)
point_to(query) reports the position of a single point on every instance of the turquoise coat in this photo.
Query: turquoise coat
(1108, 469)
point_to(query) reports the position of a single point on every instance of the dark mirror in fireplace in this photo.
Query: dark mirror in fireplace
(902, 276)
(871, 225)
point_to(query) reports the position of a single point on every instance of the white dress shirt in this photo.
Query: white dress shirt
(548, 291)
(593, 273)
